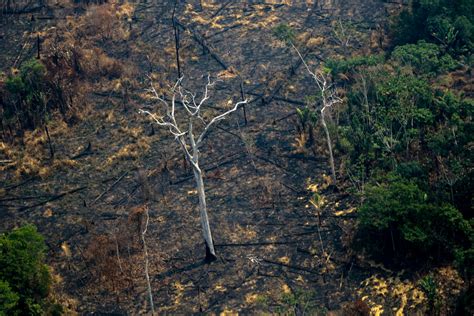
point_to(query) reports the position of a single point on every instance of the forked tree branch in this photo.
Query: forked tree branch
(193, 109)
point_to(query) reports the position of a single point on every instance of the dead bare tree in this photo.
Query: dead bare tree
(183, 130)
(329, 98)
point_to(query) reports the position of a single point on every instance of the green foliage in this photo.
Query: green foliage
(284, 33)
(8, 299)
(429, 286)
(23, 274)
(443, 30)
(349, 65)
(451, 110)
(401, 217)
(31, 95)
(412, 137)
(415, 141)
(28, 81)
(394, 115)
(464, 258)
(307, 116)
(26, 101)
(386, 112)
(413, 171)
(425, 58)
(444, 22)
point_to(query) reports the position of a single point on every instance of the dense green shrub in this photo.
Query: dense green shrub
(24, 279)
(404, 130)
(31, 95)
(402, 220)
(465, 259)
(26, 96)
(425, 58)
(338, 66)
(284, 33)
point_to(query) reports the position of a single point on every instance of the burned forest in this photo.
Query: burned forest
(223, 157)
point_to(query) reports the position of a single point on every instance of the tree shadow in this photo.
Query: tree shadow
(187, 268)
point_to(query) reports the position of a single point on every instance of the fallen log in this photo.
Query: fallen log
(25, 10)
(267, 160)
(13, 186)
(51, 199)
(19, 198)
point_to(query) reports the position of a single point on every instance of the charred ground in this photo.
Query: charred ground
(270, 240)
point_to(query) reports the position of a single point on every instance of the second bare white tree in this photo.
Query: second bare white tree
(328, 98)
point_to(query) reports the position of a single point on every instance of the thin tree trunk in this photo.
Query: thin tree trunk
(242, 95)
(328, 139)
(147, 275)
(176, 39)
(206, 230)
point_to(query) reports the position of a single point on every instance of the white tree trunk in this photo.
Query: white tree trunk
(328, 139)
(147, 274)
(206, 230)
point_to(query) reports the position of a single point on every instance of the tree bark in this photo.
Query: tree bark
(206, 230)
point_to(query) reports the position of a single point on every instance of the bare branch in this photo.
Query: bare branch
(173, 127)
(217, 119)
